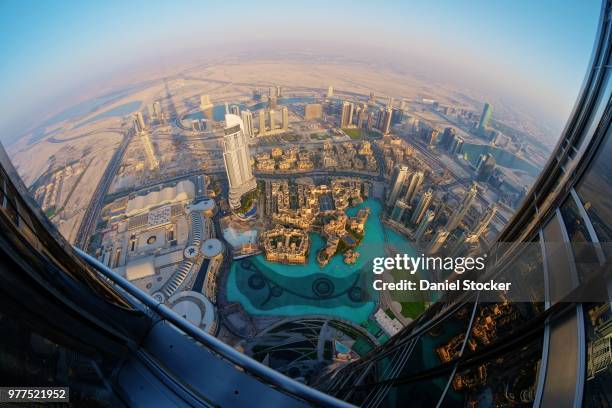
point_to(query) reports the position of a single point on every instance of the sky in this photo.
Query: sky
(533, 51)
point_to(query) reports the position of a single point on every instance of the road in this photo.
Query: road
(92, 213)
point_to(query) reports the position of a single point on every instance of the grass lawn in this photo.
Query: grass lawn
(290, 138)
(413, 302)
(356, 133)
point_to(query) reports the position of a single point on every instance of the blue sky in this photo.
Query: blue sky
(51, 48)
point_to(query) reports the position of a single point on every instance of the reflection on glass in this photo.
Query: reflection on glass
(32, 358)
(598, 327)
(507, 380)
(584, 254)
(440, 344)
(593, 191)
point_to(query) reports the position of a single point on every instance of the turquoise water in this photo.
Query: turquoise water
(121, 110)
(337, 289)
(502, 157)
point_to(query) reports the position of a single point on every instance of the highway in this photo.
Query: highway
(92, 213)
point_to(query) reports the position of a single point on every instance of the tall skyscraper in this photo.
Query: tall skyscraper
(386, 125)
(272, 116)
(485, 167)
(438, 240)
(235, 110)
(485, 118)
(456, 145)
(431, 137)
(372, 99)
(396, 185)
(448, 136)
(414, 183)
(285, 118)
(262, 122)
(330, 91)
(423, 225)
(346, 119)
(483, 225)
(398, 211)
(457, 216)
(139, 122)
(159, 113)
(237, 160)
(247, 121)
(422, 207)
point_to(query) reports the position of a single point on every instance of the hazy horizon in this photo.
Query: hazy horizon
(532, 57)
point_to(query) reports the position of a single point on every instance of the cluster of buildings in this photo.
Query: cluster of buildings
(370, 116)
(285, 245)
(415, 209)
(345, 156)
(291, 159)
(163, 241)
(55, 190)
(317, 208)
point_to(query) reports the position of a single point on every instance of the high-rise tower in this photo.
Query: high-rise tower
(421, 207)
(285, 118)
(347, 114)
(483, 225)
(247, 121)
(456, 218)
(414, 183)
(262, 123)
(485, 118)
(237, 160)
(396, 185)
(423, 225)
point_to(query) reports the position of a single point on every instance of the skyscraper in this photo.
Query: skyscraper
(437, 241)
(285, 118)
(448, 136)
(483, 225)
(139, 122)
(396, 185)
(157, 110)
(485, 118)
(237, 160)
(431, 137)
(485, 167)
(456, 218)
(247, 121)
(330, 91)
(271, 116)
(398, 211)
(347, 114)
(262, 123)
(386, 125)
(456, 145)
(414, 183)
(423, 225)
(421, 208)
(235, 110)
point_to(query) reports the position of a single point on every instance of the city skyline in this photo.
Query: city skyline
(61, 53)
